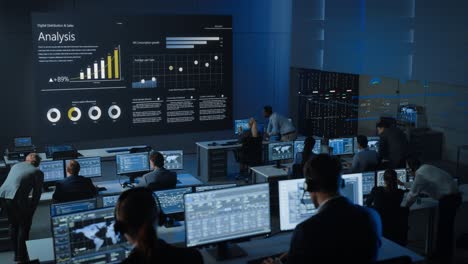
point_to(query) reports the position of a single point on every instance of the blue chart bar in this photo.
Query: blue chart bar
(192, 38)
(180, 46)
(146, 84)
(192, 42)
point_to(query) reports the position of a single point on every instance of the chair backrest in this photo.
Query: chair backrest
(252, 150)
(397, 260)
(297, 171)
(395, 224)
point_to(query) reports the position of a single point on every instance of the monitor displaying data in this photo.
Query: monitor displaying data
(280, 151)
(89, 167)
(299, 147)
(110, 200)
(244, 123)
(295, 204)
(368, 182)
(172, 201)
(88, 237)
(372, 144)
(72, 207)
(132, 163)
(107, 76)
(23, 142)
(401, 174)
(173, 159)
(205, 188)
(227, 214)
(353, 188)
(341, 146)
(53, 170)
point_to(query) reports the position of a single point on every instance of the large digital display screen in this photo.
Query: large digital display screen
(107, 76)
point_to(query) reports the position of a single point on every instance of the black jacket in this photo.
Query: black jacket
(381, 199)
(393, 146)
(74, 188)
(160, 179)
(340, 233)
(164, 253)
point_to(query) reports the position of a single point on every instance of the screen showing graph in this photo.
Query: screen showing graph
(102, 76)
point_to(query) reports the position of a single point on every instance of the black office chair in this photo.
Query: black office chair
(397, 260)
(297, 171)
(251, 152)
(395, 224)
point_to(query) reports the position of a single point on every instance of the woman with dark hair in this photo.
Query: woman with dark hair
(307, 153)
(387, 201)
(388, 196)
(136, 215)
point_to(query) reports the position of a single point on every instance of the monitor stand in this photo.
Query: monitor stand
(171, 222)
(130, 183)
(278, 165)
(224, 251)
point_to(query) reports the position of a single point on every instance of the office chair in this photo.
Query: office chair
(397, 260)
(395, 224)
(251, 152)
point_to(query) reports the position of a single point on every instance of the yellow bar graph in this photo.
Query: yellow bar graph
(116, 64)
(109, 66)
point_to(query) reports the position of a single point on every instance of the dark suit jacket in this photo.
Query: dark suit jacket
(74, 188)
(340, 233)
(160, 179)
(393, 146)
(165, 253)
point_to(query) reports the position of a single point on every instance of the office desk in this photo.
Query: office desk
(104, 153)
(114, 187)
(42, 249)
(264, 173)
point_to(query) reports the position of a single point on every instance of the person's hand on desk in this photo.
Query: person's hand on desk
(277, 260)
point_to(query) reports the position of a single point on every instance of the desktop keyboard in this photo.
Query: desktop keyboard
(261, 260)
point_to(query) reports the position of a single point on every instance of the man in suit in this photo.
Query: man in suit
(159, 178)
(23, 178)
(74, 187)
(393, 145)
(365, 159)
(340, 232)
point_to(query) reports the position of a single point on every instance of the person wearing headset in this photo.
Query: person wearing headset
(136, 215)
(340, 232)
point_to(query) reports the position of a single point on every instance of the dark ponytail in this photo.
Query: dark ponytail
(391, 180)
(309, 144)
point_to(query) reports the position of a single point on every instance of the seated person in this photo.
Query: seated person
(365, 159)
(302, 157)
(136, 215)
(340, 232)
(159, 178)
(74, 187)
(387, 201)
(248, 154)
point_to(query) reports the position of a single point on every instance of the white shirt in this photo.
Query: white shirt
(432, 181)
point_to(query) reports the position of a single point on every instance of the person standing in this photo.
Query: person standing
(393, 145)
(23, 178)
(279, 125)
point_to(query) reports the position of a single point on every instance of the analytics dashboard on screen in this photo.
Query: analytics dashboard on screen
(105, 76)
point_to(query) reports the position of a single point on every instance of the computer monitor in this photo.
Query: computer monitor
(372, 144)
(110, 200)
(72, 207)
(299, 147)
(401, 174)
(205, 188)
(353, 188)
(49, 150)
(172, 201)
(368, 182)
(173, 159)
(88, 237)
(132, 163)
(280, 151)
(89, 167)
(244, 123)
(295, 204)
(23, 142)
(341, 146)
(218, 216)
(53, 170)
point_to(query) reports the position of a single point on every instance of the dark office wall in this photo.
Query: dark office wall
(261, 59)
